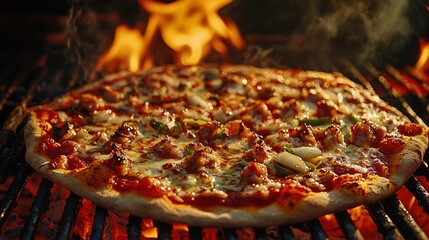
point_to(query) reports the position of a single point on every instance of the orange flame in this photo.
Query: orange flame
(192, 28)
(126, 52)
(422, 64)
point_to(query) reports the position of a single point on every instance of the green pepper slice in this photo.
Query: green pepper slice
(315, 121)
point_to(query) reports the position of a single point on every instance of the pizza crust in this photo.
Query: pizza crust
(314, 205)
(407, 160)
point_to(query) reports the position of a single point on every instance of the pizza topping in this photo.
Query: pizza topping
(150, 187)
(208, 132)
(391, 145)
(410, 129)
(353, 119)
(258, 154)
(302, 135)
(365, 133)
(197, 162)
(194, 123)
(165, 149)
(234, 128)
(66, 131)
(291, 162)
(59, 162)
(198, 101)
(119, 162)
(111, 95)
(69, 162)
(69, 147)
(223, 137)
(254, 173)
(306, 153)
(259, 110)
(90, 102)
(332, 137)
(223, 114)
(158, 126)
(326, 109)
(49, 147)
(102, 116)
(315, 121)
(124, 133)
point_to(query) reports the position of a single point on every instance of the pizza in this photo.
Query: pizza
(223, 145)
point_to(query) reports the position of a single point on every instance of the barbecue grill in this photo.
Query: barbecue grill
(41, 70)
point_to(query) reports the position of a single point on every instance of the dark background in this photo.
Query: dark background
(290, 31)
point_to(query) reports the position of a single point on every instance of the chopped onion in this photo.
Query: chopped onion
(306, 153)
(102, 116)
(291, 162)
(222, 115)
(198, 101)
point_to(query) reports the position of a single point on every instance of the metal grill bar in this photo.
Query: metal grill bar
(412, 73)
(260, 233)
(414, 95)
(8, 202)
(164, 230)
(40, 205)
(73, 204)
(316, 230)
(421, 194)
(134, 228)
(195, 233)
(389, 94)
(383, 222)
(12, 156)
(402, 219)
(285, 232)
(347, 226)
(423, 170)
(99, 223)
(9, 139)
(230, 234)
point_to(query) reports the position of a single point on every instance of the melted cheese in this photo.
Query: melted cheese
(158, 110)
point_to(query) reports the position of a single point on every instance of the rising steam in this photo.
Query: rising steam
(322, 33)
(361, 31)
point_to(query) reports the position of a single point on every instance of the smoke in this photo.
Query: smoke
(325, 32)
(360, 31)
(90, 28)
(82, 50)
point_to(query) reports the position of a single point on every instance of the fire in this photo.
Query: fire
(422, 64)
(191, 28)
(127, 50)
(421, 68)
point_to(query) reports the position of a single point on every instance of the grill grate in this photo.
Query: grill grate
(39, 77)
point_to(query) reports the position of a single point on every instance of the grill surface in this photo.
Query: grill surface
(27, 79)
(37, 73)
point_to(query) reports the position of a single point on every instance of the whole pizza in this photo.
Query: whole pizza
(225, 146)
